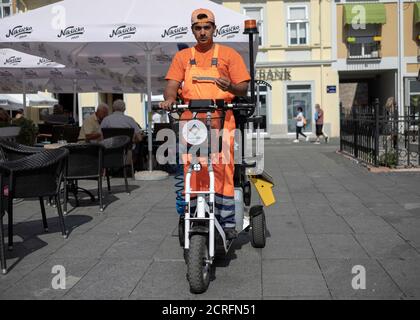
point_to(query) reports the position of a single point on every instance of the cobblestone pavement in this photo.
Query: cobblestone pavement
(331, 215)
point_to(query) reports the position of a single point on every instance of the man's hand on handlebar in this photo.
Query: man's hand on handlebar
(167, 104)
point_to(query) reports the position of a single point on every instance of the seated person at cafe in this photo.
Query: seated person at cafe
(91, 128)
(117, 119)
(58, 117)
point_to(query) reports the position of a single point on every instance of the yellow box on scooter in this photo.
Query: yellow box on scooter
(264, 185)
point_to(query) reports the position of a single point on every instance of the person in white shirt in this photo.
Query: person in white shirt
(300, 124)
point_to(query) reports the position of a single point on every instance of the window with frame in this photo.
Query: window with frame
(257, 13)
(297, 25)
(5, 8)
(299, 95)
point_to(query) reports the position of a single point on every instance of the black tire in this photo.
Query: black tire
(198, 270)
(181, 231)
(258, 230)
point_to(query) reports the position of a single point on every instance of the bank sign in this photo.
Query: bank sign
(273, 74)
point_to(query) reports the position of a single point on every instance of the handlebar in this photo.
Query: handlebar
(209, 106)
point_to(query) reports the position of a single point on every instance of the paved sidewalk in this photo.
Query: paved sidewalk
(331, 215)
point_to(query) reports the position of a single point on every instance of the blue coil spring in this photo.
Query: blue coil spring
(179, 189)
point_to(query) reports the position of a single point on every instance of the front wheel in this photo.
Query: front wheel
(258, 228)
(198, 264)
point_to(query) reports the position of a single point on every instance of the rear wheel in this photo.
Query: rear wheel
(258, 229)
(198, 264)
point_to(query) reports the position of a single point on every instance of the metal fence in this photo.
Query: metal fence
(381, 137)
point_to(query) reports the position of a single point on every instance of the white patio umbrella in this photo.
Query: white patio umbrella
(24, 73)
(134, 42)
(10, 102)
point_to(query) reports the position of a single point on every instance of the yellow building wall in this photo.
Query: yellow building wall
(341, 44)
(389, 43)
(134, 108)
(235, 5)
(410, 31)
(88, 100)
(413, 67)
(276, 32)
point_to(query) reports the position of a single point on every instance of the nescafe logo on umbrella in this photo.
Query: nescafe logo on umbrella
(81, 74)
(71, 32)
(56, 73)
(130, 60)
(44, 62)
(19, 32)
(96, 61)
(41, 49)
(174, 32)
(163, 58)
(13, 61)
(31, 74)
(227, 31)
(138, 80)
(5, 74)
(125, 32)
(57, 54)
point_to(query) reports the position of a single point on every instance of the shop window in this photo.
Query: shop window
(297, 25)
(364, 43)
(257, 13)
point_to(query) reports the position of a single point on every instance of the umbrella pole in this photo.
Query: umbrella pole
(149, 175)
(74, 98)
(24, 96)
(149, 106)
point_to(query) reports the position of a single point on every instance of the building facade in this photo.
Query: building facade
(295, 57)
(376, 52)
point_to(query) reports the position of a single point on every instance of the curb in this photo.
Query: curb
(377, 169)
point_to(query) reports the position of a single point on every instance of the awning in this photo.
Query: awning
(374, 13)
(416, 12)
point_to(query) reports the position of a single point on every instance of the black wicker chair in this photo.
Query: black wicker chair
(71, 133)
(10, 150)
(85, 162)
(115, 132)
(115, 156)
(67, 132)
(35, 176)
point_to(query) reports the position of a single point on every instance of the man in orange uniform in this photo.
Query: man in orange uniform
(210, 71)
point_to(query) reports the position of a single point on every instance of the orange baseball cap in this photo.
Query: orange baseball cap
(208, 13)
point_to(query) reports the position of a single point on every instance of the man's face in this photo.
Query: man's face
(101, 114)
(203, 32)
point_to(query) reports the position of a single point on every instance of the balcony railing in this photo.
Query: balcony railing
(364, 50)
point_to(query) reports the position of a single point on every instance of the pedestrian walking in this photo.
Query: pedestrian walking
(319, 124)
(300, 124)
